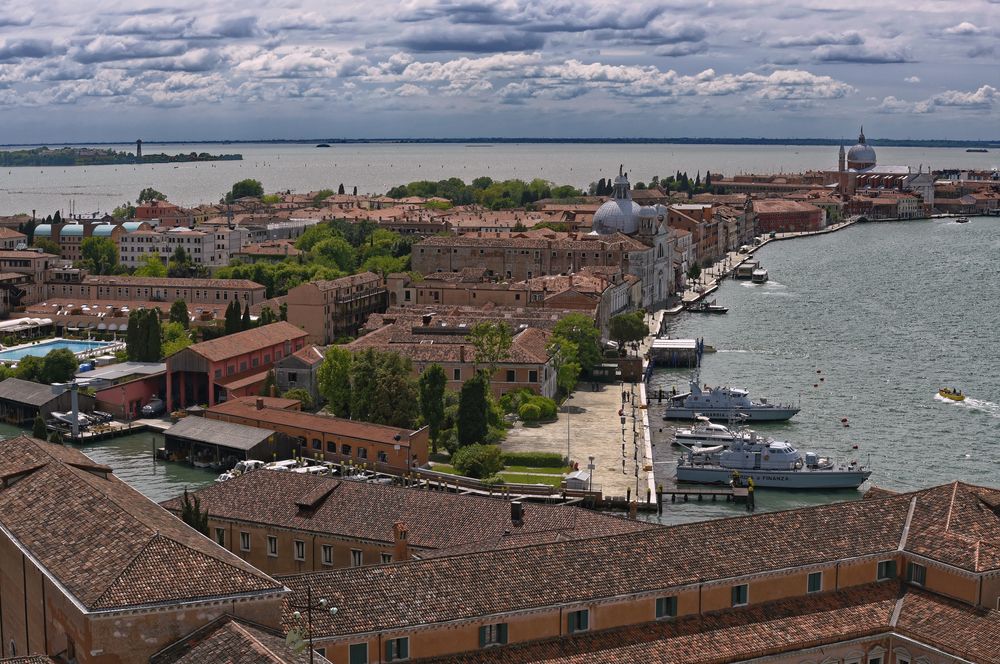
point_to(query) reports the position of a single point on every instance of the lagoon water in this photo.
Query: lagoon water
(376, 167)
(866, 323)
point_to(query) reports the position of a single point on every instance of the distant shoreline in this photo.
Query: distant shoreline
(478, 142)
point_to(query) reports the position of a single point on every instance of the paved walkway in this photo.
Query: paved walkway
(595, 429)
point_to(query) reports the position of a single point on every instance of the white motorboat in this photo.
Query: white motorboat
(724, 403)
(705, 431)
(759, 276)
(770, 463)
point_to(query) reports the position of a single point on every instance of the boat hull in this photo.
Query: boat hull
(953, 397)
(797, 479)
(752, 414)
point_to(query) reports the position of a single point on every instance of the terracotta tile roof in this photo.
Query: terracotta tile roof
(164, 282)
(311, 354)
(350, 280)
(26, 254)
(247, 341)
(958, 524)
(278, 418)
(436, 520)
(30, 659)
(109, 546)
(957, 628)
(669, 557)
(229, 639)
(726, 636)
(528, 346)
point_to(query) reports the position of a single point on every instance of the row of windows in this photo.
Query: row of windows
(345, 450)
(298, 549)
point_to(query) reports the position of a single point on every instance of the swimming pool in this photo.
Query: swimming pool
(41, 349)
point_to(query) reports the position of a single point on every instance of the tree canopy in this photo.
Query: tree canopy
(628, 327)
(179, 313)
(492, 341)
(149, 195)
(143, 341)
(100, 255)
(473, 407)
(432, 383)
(581, 331)
(245, 188)
(495, 195)
(151, 266)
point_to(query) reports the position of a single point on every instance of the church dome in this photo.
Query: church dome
(618, 215)
(861, 155)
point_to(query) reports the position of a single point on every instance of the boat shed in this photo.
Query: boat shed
(676, 352)
(22, 400)
(207, 442)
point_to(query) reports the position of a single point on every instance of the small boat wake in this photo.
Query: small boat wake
(979, 405)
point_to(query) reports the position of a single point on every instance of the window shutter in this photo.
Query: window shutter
(482, 637)
(404, 648)
(571, 622)
(502, 633)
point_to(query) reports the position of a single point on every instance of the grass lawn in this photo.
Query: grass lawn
(518, 474)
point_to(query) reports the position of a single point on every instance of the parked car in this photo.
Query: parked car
(154, 407)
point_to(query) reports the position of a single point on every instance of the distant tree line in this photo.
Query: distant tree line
(491, 194)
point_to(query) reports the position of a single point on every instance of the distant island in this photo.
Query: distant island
(67, 156)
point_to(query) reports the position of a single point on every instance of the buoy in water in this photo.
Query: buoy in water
(822, 379)
(854, 447)
(819, 371)
(815, 384)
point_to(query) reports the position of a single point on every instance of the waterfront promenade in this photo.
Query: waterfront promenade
(589, 424)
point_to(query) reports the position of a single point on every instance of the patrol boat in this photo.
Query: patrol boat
(770, 463)
(705, 431)
(724, 403)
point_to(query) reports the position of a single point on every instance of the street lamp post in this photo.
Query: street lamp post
(294, 639)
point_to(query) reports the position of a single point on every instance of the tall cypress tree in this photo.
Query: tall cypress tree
(245, 323)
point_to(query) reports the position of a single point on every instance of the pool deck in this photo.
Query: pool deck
(53, 344)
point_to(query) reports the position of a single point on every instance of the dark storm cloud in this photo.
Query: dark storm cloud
(429, 40)
(19, 49)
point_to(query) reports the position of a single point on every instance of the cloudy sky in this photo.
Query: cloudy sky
(206, 69)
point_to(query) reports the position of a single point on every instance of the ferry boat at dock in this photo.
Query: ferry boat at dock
(759, 276)
(724, 403)
(770, 463)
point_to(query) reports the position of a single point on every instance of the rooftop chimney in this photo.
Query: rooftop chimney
(401, 542)
(427, 319)
(461, 353)
(517, 513)
(260, 403)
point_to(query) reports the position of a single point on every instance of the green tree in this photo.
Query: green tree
(100, 255)
(396, 400)
(334, 380)
(269, 386)
(58, 366)
(175, 337)
(124, 211)
(582, 331)
(29, 368)
(492, 341)
(143, 339)
(245, 322)
(321, 196)
(266, 316)
(363, 368)
(245, 188)
(149, 195)
(479, 461)
(694, 272)
(628, 327)
(179, 313)
(302, 395)
(38, 428)
(283, 311)
(473, 404)
(151, 266)
(192, 514)
(432, 384)
(565, 360)
(234, 322)
(47, 245)
(335, 252)
(340, 189)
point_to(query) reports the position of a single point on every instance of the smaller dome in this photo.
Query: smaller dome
(616, 215)
(647, 212)
(861, 155)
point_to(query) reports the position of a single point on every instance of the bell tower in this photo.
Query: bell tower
(840, 159)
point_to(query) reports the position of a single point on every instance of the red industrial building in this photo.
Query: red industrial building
(232, 366)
